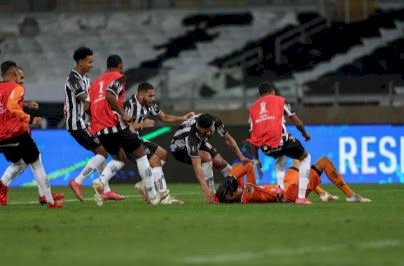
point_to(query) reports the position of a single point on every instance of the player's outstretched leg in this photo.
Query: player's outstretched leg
(336, 178)
(92, 165)
(40, 175)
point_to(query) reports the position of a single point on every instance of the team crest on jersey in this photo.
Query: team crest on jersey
(193, 149)
(263, 106)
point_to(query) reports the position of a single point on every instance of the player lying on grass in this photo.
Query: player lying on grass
(241, 185)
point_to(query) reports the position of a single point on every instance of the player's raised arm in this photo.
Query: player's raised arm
(174, 119)
(232, 144)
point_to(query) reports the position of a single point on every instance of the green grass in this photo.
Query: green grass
(133, 233)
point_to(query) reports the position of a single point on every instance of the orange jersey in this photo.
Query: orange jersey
(239, 171)
(252, 193)
(258, 194)
(13, 120)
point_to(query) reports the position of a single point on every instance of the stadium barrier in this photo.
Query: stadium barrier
(362, 153)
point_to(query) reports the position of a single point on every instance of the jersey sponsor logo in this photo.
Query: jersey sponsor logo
(193, 149)
(265, 118)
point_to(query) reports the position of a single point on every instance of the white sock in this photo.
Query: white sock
(110, 170)
(91, 166)
(159, 179)
(101, 168)
(106, 187)
(42, 179)
(207, 170)
(280, 169)
(304, 172)
(12, 172)
(145, 173)
(40, 192)
(225, 171)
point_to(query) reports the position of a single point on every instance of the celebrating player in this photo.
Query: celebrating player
(15, 139)
(268, 132)
(110, 123)
(15, 170)
(141, 106)
(75, 105)
(190, 145)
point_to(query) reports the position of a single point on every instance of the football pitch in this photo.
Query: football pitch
(132, 232)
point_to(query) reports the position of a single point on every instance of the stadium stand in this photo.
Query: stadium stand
(213, 56)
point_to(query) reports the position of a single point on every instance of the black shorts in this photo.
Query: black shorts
(124, 139)
(150, 148)
(181, 154)
(291, 148)
(84, 138)
(20, 147)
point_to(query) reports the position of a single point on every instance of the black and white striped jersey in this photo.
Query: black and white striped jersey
(117, 88)
(187, 137)
(75, 85)
(287, 111)
(139, 112)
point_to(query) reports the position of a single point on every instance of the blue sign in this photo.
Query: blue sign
(63, 158)
(362, 154)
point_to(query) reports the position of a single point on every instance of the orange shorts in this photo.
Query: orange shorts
(291, 183)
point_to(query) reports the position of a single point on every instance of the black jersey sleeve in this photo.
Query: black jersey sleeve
(128, 108)
(192, 143)
(288, 110)
(116, 86)
(219, 127)
(155, 110)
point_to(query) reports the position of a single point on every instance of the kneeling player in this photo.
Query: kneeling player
(243, 187)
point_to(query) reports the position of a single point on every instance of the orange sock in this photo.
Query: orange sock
(334, 176)
(319, 190)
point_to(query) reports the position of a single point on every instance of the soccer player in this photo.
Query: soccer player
(16, 142)
(190, 145)
(141, 106)
(75, 107)
(110, 123)
(241, 185)
(268, 132)
(15, 170)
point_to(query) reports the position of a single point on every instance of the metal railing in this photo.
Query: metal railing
(293, 36)
(125, 5)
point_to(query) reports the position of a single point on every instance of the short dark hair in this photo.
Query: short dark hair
(227, 187)
(82, 53)
(6, 65)
(205, 120)
(144, 86)
(113, 61)
(266, 87)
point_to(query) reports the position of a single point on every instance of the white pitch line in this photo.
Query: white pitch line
(249, 256)
(92, 199)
